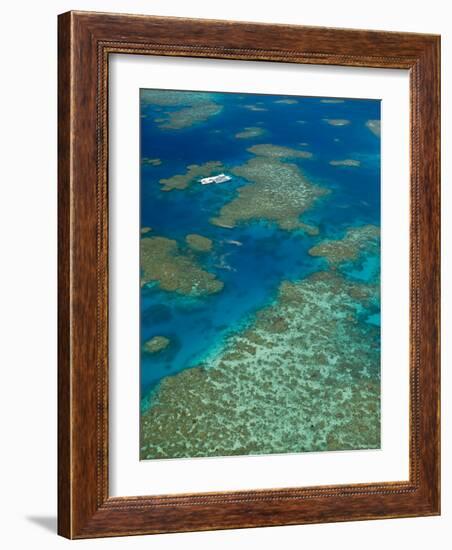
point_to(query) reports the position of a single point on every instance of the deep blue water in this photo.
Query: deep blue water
(251, 273)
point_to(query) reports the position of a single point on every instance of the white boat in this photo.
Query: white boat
(221, 178)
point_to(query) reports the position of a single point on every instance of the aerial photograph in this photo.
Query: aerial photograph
(259, 274)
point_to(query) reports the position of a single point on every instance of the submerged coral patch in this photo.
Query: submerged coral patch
(356, 241)
(185, 109)
(194, 172)
(250, 132)
(156, 344)
(164, 263)
(277, 191)
(374, 126)
(345, 162)
(256, 107)
(199, 243)
(176, 120)
(278, 151)
(287, 101)
(172, 98)
(336, 121)
(150, 161)
(283, 385)
(332, 100)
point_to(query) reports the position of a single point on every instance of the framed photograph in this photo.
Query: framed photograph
(248, 275)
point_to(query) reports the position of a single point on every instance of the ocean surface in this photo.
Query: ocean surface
(253, 258)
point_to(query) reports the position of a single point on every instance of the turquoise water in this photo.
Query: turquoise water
(253, 258)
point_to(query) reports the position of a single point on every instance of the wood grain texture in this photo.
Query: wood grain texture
(64, 294)
(85, 42)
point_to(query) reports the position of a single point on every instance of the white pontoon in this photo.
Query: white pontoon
(221, 178)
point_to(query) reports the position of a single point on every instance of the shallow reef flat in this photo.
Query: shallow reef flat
(332, 100)
(194, 171)
(156, 344)
(256, 107)
(150, 161)
(163, 262)
(173, 98)
(199, 242)
(346, 162)
(278, 151)
(374, 126)
(302, 376)
(356, 241)
(277, 192)
(336, 121)
(287, 101)
(194, 107)
(195, 114)
(250, 132)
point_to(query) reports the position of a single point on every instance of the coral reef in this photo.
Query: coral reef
(164, 263)
(331, 101)
(304, 376)
(151, 162)
(199, 243)
(194, 172)
(193, 107)
(176, 120)
(171, 98)
(356, 241)
(345, 162)
(336, 121)
(277, 191)
(374, 126)
(278, 151)
(255, 108)
(250, 132)
(156, 344)
(287, 101)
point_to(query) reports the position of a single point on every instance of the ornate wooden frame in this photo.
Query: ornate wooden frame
(85, 508)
